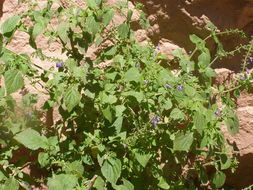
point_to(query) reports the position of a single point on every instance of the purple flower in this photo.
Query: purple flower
(168, 86)
(190, 52)
(180, 87)
(248, 71)
(124, 146)
(153, 118)
(251, 59)
(145, 82)
(137, 65)
(157, 47)
(59, 64)
(154, 123)
(158, 119)
(218, 112)
(243, 78)
(155, 53)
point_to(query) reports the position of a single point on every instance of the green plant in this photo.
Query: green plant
(135, 124)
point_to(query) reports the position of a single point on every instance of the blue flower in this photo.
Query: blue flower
(243, 78)
(59, 64)
(154, 123)
(158, 119)
(168, 86)
(218, 112)
(179, 87)
(145, 82)
(155, 53)
(124, 146)
(190, 52)
(251, 59)
(137, 65)
(157, 47)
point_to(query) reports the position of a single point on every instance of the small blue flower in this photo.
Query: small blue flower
(124, 146)
(145, 82)
(158, 119)
(190, 52)
(137, 65)
(218, 112)
(168, 86)
(243, 78)
(154, 123)
(248, 71)
(153, 118)
(157, 47)
(179, 87)
(155, 53)
(251, 59)
(59, 64)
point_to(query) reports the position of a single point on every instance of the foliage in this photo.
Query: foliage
(135, 124)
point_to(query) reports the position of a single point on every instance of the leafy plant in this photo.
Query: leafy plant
(134, 124)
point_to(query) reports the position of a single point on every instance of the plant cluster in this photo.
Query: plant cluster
(135, 124)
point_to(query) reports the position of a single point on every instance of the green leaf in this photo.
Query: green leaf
(76, 167)
(92, 4)
(123, 30)
(107, 113)
(107, 18)
(62, 31)
(129, 15)
(93, 26)
(118, 124)
(10, 24)
(62, 181)
(190, 91)
(177, 114)
(187, 65)
(183, 141)
(43, 159)
(99, 184)
(132, 74)
(13, 81)
(72, 98)
(219, 179)
(10, 184)
(199, 122)
(232, 124)
(141, 157)
(31, 139)
(119, 109)
(111, 169)
(37, 29)
(195, 39)
(127, 185)
(163, 184)
(204, 59)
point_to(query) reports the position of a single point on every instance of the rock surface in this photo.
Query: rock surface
(171, 23)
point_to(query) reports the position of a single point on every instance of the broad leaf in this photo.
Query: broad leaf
(199, 122)
(219, 179)
(141, 157)
(183, 141)
(31, 139)
(10, 24)
(111, 169)
(62, 31)
(37, 29)
(123, 30)
(132, 74)
(13, 81)
(62, 181)
(92, 4)
(177, 114)
(232, 124)
(107, 17)
(10, 184)
(71, 98)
